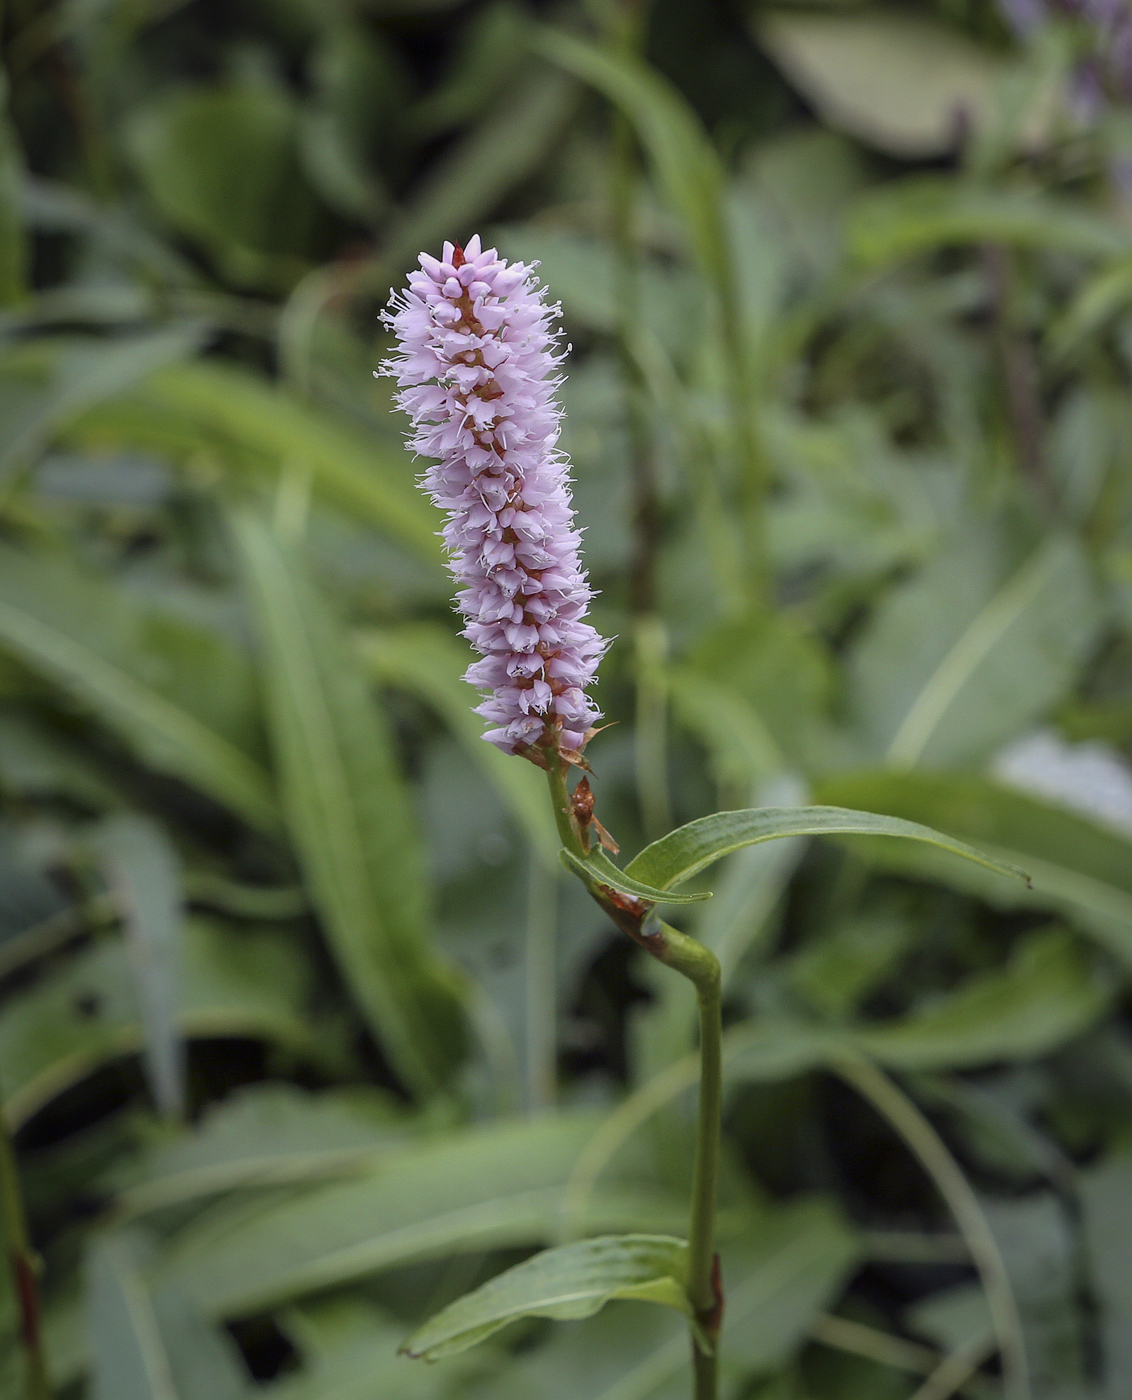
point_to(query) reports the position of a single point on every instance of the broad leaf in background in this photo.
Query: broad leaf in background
(1077, 866)
(136, 669)
(692, 848)
(1046, 994)
(742, 750)
(349, 815)
(490, 1187)
(504, 147)
(221, 165)
(151, 1346)
(340, 130)
(144, 874)
(567, 1283)
(948, 670)
(1040, 1248)
(904, 83)
(13, 252)
(429, 662)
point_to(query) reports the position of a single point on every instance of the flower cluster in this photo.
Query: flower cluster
(477, 368)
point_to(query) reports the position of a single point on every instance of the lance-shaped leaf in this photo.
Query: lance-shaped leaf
(1048, 992)
(598, 869)
(62, 383)
(573, 1281)
(127, 665)
(143, 871)
(498, 1186)
(1081, 867)
(430, 662)
(670, 131)
(86, 1015)
(254, 425)
(147, 1345)
(349, 814)
(691, 848)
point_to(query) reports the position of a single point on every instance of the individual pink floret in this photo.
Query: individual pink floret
(476, 365)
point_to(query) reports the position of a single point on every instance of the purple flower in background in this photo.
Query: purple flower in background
(477, 369)
(1104, 69)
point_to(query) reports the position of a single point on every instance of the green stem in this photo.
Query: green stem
(700, 966)
(568, 832)
(24, 1266)
(541, 993)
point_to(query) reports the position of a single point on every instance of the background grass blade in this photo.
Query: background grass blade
(144, 874)
(151, 1347)
(348, 815)
(90, 640)
(429, 662)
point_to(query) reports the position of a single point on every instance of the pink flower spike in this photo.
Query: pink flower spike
(477, 365)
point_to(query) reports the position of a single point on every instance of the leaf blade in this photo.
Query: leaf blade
(348, 814)
(598, 869)
(688, 850)
(571, 1282)
(47, 619)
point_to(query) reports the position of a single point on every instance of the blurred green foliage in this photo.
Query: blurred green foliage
(301, 1035)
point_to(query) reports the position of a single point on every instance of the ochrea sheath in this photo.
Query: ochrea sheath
(477, 367)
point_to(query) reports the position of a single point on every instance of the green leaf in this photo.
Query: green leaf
(478, 169)
(116, 658)
(1045, 995)
(894, 80)
(349, 1348)
(144, 873)
(921, 214)
(942, 686)
(1105, 1190)
(789, 1265)
(349, 814)
(355, 92)
(221, 165)
(150, 1346)
(691, 848)
(51, 389)
(264, 1136)
(1078, 867)
(430, 663)
(13, 250)
(496, 1186)
(597, 868)
(686, 162)
(567, 1283)
(78, 1019)
(256, 426)
(742, 749)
